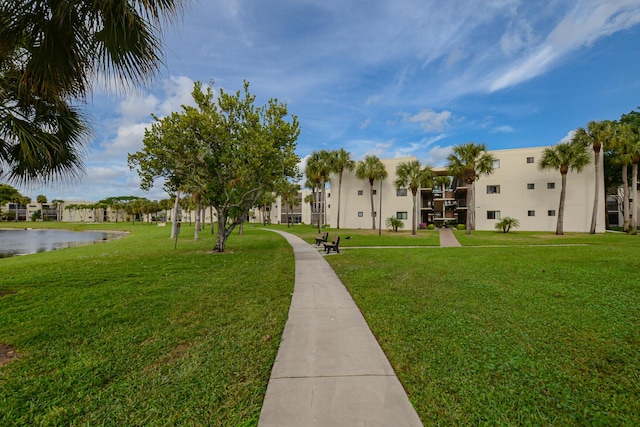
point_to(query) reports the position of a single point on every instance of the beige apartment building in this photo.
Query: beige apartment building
(516, 188)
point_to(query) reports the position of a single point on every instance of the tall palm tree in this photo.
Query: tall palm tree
(469, 161)
(50, 53)
(622, 156)
(42, 199)
(289, 198)
(319, 166)
(58, 203)
(564, 157)
(632, 120)
(371, 169)
(597, 136)
(341, 161)
(411, 174)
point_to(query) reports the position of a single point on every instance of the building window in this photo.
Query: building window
(360, 192)
(531, 186)
(551, 212)
(496, 164)
(328, 195)
(551, 185)
(328, 206)
(401, 215)
(401, 192)
(493, 214)
(493, 189)
(531, 213)
(375, 192)
(530, 160)
(360, 214)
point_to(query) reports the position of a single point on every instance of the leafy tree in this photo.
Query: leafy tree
(50, 53)
(564, 157)
(507, 223)
(341, 161)
(394, 223)
(8, 194)
(597, 136)
(371, 169)
(468, 162)
(622, 157)
(236, 151)
(411, 174)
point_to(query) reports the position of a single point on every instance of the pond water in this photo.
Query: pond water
(22, 242)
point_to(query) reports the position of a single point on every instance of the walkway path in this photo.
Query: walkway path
(330, 371)
(448, 239)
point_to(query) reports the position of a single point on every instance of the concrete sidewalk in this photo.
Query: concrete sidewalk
(448, 239)
(330, 371)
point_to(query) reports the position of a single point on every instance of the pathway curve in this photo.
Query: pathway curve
(330, 371)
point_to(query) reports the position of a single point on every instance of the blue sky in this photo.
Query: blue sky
(391, 78)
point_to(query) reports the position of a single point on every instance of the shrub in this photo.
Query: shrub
(507, 223)
(422, 226)
(394, 223)
(431, 227)
(461, 227)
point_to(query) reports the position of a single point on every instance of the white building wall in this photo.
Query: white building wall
(356, 208)
(516, 200)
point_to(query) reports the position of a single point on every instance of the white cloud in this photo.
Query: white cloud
(429, 120)
(437, 155)
(568, 137)
(365, 124)
(502, 129)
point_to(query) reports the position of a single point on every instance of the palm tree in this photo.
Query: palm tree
(341, 161)
(469, 161)
(371, 168)
(289, 198)
(411, 174)
(311, 199)
(42, 199)
(622, 156)
(564, 157)
(58, 203)
(596, 135)
(319, 167)
(632, 120)
(49, 56)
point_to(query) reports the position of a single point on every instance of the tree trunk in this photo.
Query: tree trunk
(174, 225)
(596, 201)
(413, 214)
(196, 232)
(324, 205)
(469, 223)
(625, 202)
(221, 237)
(563, 192)
(339, 199)
(373, 212)
(634, 189)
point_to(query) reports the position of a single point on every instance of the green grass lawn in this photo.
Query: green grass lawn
(508, 332)
(133, 332)
(508, 335)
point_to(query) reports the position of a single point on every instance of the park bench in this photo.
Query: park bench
(333, 246)
(322, 239)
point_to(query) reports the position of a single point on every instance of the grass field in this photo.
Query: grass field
(508, 330)
(133, 332)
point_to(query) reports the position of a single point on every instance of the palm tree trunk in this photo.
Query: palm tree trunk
(196, 232)
(563, 192)
(339, 198)
(634, 188)
(413, 214)
(625, 202)
(373, 216)
(596, 197)
(468, 223)
(324, 203)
